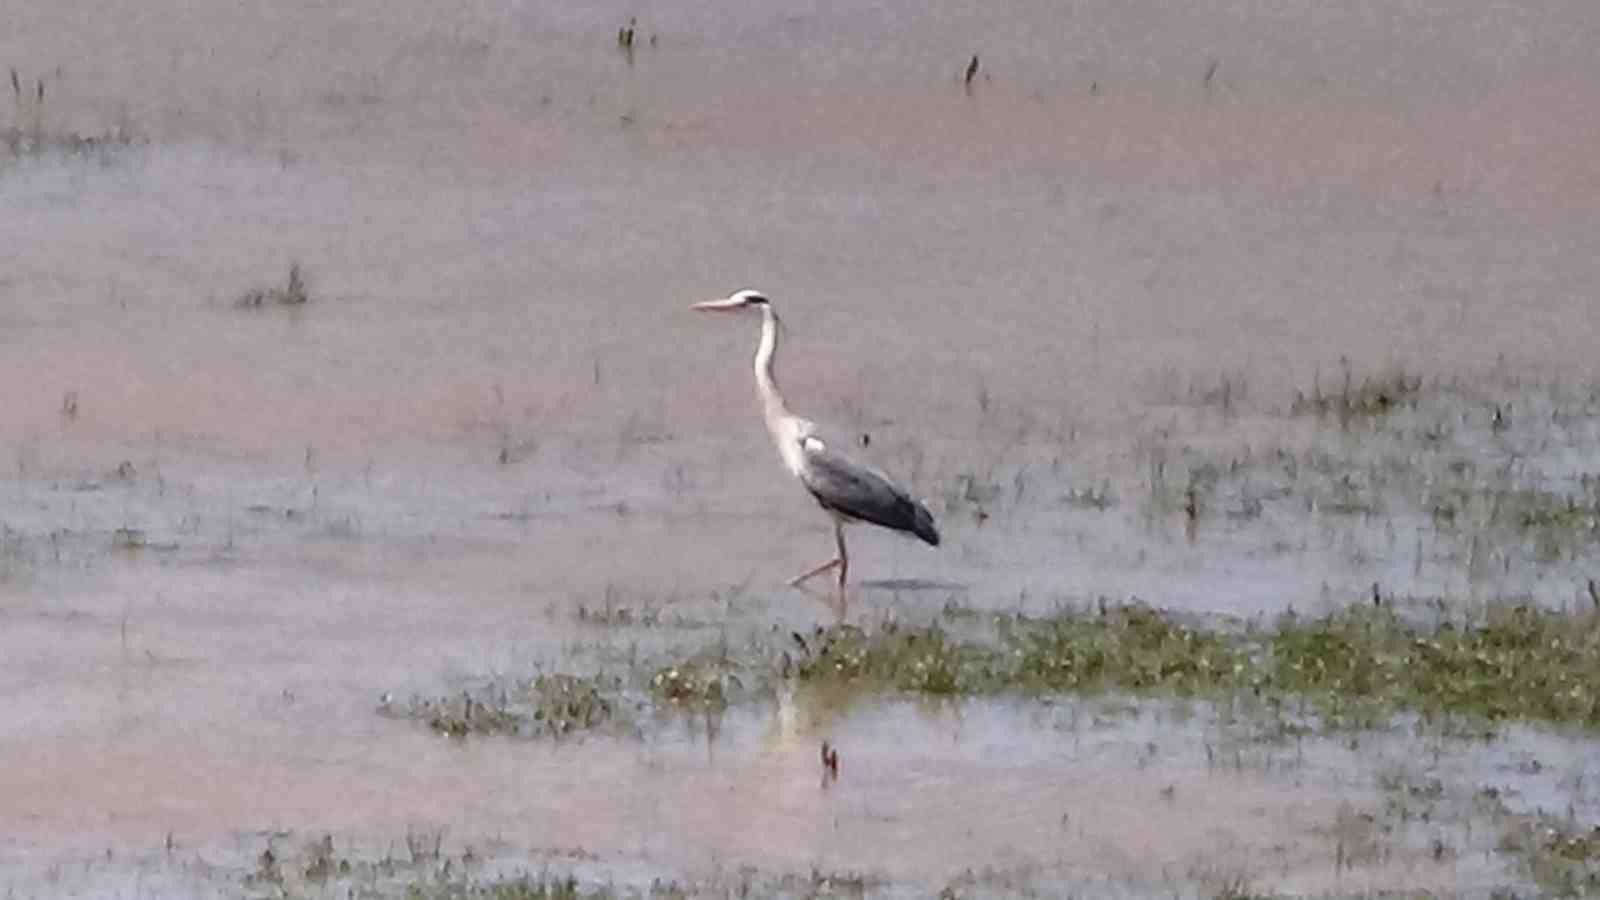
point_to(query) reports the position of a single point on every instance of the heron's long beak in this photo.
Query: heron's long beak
(719, 305)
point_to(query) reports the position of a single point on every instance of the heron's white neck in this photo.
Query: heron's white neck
(772, 405)
(784, 427)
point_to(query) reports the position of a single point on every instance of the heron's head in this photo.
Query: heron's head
(745, 299)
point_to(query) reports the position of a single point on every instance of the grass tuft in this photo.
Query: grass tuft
(920, 660)
(705, 681)
(554, 705)
(523, 887)
(1372, 397)
(291, 293)
(31, 136)
(1131, 648)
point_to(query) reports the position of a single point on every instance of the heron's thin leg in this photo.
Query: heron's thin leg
(798, 579)
(844, 555)
(842, 561)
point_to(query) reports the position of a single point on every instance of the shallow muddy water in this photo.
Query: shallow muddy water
(1072, 304)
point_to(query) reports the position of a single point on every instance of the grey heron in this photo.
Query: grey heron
(847, 490)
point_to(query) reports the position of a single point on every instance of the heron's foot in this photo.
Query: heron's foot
(836, 599)
(803, 577)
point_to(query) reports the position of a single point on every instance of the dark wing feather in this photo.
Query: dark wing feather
(857, 491)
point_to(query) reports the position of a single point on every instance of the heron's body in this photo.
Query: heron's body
(846, 489)
(857, 493)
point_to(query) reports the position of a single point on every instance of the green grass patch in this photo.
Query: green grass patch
(1356, 667)
(1353, 669)
(916, 659)
(1127, 648)
(706, 681)
(1515, 663)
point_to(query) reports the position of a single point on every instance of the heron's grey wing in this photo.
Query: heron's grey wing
(861, 492)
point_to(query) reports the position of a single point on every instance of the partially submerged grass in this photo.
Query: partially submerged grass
(552, 705)
(921, 660)
(705, 681)
(1370, 398)
(613, 610)
(529, 887)
(1099, 498)
(316, 868)
(1357, 668)
(31, 134)
(1127, 648)
(1560, 857)
(1492, 476)
(1554, 525)
(1516, 663)
(1238, 888)
(292, 867)
(291, 293)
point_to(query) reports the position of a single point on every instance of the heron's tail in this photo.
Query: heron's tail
(922, 524)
